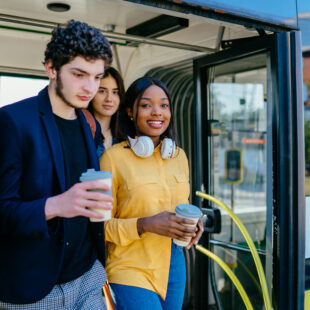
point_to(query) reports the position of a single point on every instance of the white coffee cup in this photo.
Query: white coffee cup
(106, 178)
(190, 212)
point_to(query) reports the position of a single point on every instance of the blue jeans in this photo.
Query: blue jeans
(136, 298)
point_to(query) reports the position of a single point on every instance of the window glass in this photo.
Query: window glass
(275, 11)
(13, 88)
(304, 23)
(237, 113)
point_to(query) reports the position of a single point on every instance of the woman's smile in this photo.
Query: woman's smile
(155, 123)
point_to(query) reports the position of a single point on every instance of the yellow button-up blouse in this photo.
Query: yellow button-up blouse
(141, 187)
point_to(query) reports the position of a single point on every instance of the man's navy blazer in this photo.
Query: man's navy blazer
(32, 170)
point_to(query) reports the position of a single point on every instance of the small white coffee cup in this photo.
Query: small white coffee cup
(106, 178)
(190, 212)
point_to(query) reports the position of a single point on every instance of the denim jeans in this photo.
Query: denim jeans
(136, 298)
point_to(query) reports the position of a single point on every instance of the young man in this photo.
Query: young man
(50, 251)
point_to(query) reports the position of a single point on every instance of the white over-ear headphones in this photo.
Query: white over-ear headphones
(143, 147)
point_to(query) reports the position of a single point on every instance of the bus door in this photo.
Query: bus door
(250, 156)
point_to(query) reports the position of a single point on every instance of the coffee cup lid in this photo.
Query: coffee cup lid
(92, 174)
(188, 210)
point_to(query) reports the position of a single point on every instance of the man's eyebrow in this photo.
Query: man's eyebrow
(80, 70)
(85, 72)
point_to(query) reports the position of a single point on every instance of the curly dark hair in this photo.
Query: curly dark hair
(77, 39)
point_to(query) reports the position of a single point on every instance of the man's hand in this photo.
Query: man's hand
(76, 201)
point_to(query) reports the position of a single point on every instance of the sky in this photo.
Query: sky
(304, 22)
(303, 6)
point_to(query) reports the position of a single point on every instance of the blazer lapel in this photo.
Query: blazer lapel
(51, 129)
(92, 155)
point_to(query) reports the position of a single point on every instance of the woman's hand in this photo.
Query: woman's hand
(169, 225)
(198, 233)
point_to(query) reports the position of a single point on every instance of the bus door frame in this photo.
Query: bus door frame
(285, 225)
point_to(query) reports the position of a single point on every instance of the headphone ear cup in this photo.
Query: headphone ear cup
(168, 148)
(143, 146)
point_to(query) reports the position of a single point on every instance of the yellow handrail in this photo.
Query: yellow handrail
(232, 276)
(250, 243)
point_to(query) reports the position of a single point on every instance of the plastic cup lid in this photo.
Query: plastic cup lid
(188, 210)
(92, 174)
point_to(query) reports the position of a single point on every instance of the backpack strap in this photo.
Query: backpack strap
(90, 120)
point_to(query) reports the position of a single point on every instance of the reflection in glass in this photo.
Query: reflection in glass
(277, 11)
(237, 109)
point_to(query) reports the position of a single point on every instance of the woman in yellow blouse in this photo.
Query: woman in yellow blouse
(145, 268)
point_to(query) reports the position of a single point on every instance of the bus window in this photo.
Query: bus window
(15, 88)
